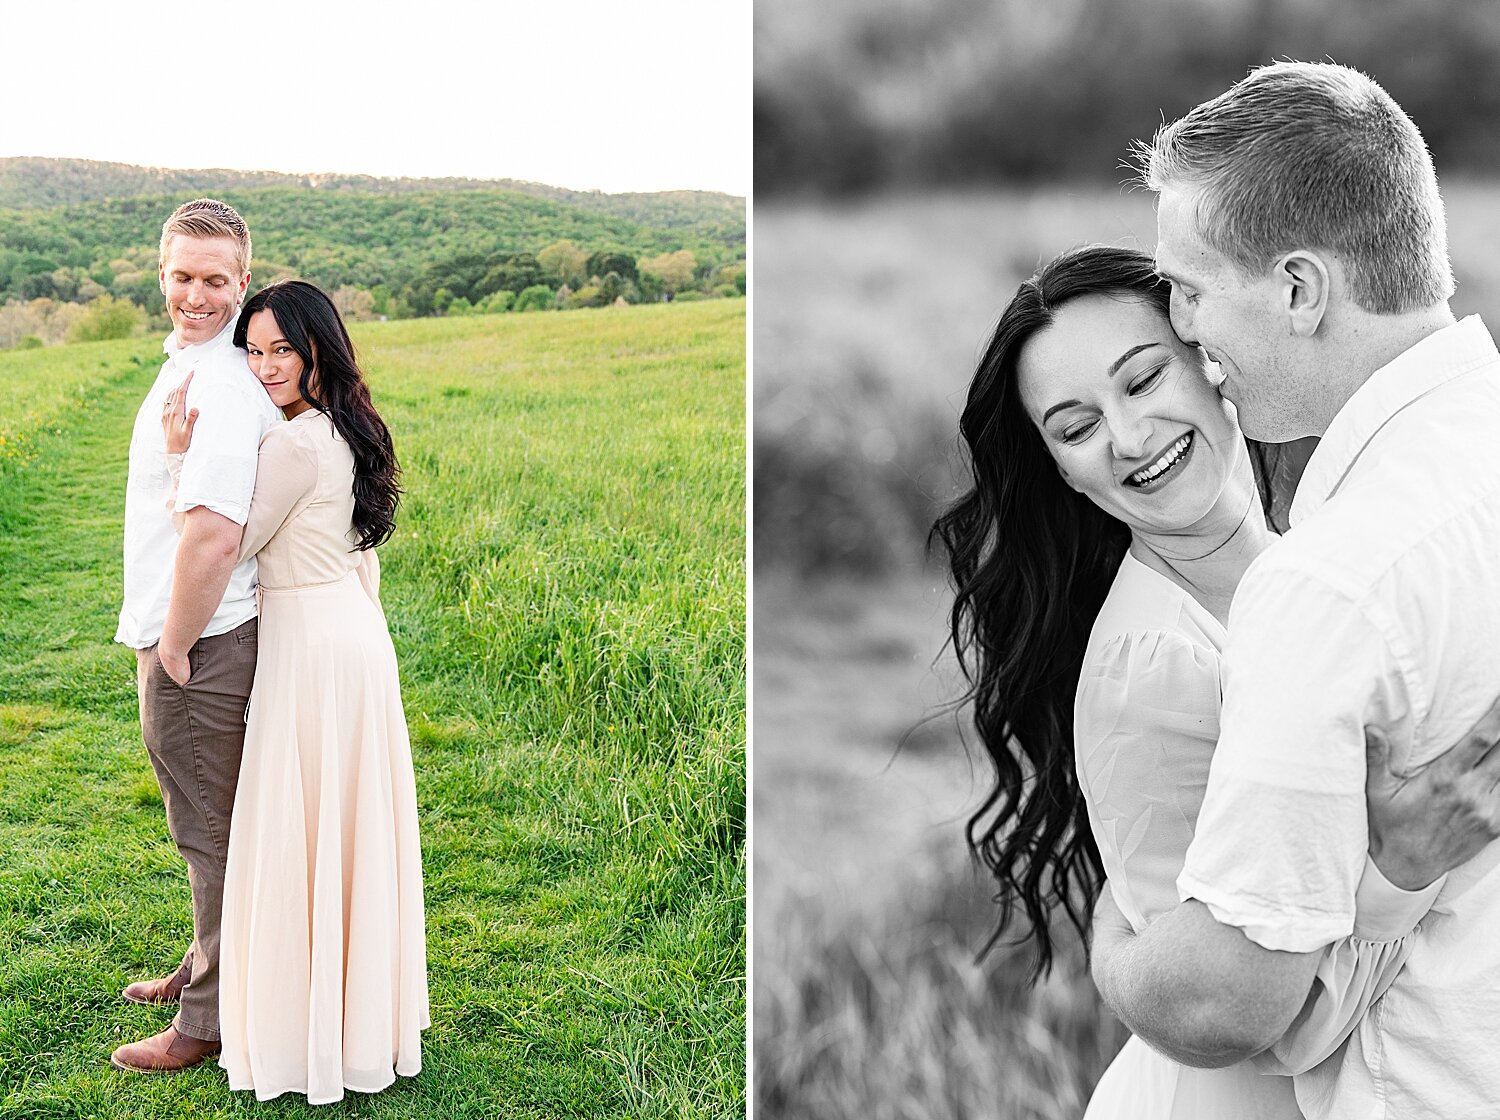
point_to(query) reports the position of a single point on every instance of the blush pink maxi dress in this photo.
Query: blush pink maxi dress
(323, 948)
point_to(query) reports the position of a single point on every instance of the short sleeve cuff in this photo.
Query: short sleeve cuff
(1285, 933)
(1384, 911)
(239, 514)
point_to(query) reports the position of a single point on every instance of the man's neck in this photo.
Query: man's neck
(1373, 342)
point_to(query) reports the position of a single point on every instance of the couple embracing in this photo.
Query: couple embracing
(261, 480)
(1261, 762)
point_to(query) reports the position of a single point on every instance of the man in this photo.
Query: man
(1300, 226)
(189, 608)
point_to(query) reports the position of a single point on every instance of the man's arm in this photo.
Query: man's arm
(206, 556)
(1271, 874)
(1424, 824)
(1202, 993)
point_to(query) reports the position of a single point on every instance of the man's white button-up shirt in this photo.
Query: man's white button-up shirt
(218, 473)
(1381, 607)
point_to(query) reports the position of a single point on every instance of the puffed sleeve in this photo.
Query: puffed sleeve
(1353, 972)
(286, 475)
(1145, 723)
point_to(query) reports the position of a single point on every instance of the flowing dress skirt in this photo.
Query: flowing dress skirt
(1141, 1084)
(323, 951)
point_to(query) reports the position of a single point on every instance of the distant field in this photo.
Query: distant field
(566, 594)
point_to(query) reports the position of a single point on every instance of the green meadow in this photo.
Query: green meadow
(566, 595)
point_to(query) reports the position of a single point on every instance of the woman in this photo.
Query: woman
(323, 951)
(1115, 507)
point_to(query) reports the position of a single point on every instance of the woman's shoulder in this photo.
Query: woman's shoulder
(291, 449)
(1152, 645)
(1146, 613)
(309, 430)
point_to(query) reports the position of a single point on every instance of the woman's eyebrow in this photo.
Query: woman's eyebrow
(1132, 352)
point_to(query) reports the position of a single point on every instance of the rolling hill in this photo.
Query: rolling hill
(71, 230)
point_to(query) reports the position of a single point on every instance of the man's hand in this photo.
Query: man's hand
(1432, 820)
(176, 666)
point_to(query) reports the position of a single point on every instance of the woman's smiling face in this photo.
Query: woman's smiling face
(275, 364)
(1128, 412)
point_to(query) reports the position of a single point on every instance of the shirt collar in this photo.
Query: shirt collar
(1431, 363)
(220, 341)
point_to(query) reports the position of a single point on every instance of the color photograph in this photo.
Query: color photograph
(373, 561)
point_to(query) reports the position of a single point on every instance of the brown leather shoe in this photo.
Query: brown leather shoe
(168, 1052)
(166, 990)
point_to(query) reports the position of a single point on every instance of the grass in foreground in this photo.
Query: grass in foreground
(896, 1020)
(566, 596)
(869, 912)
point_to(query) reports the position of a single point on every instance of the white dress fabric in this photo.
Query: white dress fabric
(323, 952)
(1146, 723)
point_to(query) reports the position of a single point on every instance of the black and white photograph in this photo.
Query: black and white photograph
(1125, 499)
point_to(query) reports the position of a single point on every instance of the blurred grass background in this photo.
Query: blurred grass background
(914, 163)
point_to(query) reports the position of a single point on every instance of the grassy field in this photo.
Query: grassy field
(566, 595)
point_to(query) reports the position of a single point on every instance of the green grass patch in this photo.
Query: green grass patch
(566, 594)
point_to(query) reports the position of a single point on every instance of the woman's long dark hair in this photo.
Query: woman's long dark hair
(1032, 561)
(332, 383)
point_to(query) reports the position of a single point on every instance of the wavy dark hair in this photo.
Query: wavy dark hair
(1032, 561)
(332, 383)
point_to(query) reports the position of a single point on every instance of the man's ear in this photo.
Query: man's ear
(1306, 284)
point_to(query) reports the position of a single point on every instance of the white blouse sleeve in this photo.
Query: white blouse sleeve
(1145, 726)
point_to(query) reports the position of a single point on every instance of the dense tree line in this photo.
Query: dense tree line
(390, 255)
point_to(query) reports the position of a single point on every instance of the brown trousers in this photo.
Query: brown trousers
(195, 736)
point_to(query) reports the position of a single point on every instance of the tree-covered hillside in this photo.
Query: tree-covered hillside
(388, 251)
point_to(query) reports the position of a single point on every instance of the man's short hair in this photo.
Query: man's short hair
(208, 217)
(1312, 156)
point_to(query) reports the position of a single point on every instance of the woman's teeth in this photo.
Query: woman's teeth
(1168, 460)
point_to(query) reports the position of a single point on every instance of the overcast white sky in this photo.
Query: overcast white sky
(631, 95)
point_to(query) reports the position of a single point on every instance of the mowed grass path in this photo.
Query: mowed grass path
(566, 594)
